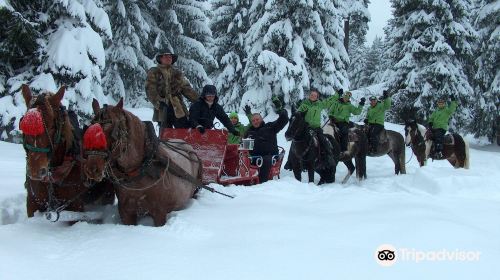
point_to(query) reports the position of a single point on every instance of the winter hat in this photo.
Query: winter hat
(166, 52)
(373, 97)
(233, 115)
(347, 94)
(209, 90)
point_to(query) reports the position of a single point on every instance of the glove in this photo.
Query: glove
(277, 103)
(452, 97)
(247, 110)
(340, 91)
(385, 94)
(235, 132)
(366, 121)
(201, 129)
(362, 102)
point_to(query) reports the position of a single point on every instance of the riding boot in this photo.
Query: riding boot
(328, 155)
(373, 145)
(438, 153)
(288, 165)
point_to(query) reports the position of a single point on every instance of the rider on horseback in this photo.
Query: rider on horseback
(313, 107)
(375, 119)
(438, 123)
(340, 114)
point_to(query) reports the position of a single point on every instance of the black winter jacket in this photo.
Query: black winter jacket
(265, 135)
(201, 114)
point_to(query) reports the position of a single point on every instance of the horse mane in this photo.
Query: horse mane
(67, 130)
(421, 129)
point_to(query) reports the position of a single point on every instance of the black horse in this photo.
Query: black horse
(305, 151)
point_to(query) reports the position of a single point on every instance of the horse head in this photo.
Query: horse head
(411, 131)
(297, 126)
(47, 131)
(105, 139)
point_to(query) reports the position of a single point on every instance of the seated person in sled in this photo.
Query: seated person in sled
(264, 135)
(203, 112)
(340, 114)
(242, 129)
(438, 124)
(375, 118)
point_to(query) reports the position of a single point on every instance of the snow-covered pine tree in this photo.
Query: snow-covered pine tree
(374, 61)
(487, 94)
(69, 51)
(292, 46)
(358, 16)
(18, 43)
(427, 43)
(126, 63)
(183, 27)
(229, 24)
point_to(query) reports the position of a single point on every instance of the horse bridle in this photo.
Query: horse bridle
(417, 135)
(52, 144)
(99, 119)
(294, 139)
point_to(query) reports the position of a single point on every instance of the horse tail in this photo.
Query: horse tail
(467, 155)
(462, 148)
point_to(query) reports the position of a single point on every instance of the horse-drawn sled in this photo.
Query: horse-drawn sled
(223, 163)
(122, 154)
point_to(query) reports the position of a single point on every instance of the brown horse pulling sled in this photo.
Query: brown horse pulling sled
(55, 182)
(151, 177)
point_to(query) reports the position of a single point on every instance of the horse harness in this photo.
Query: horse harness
(123, 178)
(57, 174)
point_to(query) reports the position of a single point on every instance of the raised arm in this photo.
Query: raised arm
(281, 122)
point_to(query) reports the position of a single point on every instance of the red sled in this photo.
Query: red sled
(223, 163)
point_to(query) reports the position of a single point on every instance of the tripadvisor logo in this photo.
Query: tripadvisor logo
(387, 255)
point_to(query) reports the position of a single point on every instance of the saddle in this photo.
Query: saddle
(448, 139)
(382, 137)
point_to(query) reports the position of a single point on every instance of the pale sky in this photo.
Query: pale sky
(380, 11)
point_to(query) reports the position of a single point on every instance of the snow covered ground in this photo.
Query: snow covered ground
(282, 229)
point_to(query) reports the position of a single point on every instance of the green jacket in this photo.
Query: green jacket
(376, 114)
(242, 129)
(441, 117)
(313, 115)
(342, 111)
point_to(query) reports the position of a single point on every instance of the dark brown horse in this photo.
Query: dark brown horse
(456, 149)
(55, 181)
(150, 178)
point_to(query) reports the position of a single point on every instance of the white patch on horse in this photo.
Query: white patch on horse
(422, 130)
(328, 129)
(408, 137)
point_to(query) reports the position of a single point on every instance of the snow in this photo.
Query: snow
(282, 229)
(6, 4)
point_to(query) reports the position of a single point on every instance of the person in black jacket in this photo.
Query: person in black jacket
(203, 112)
(264, 135)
